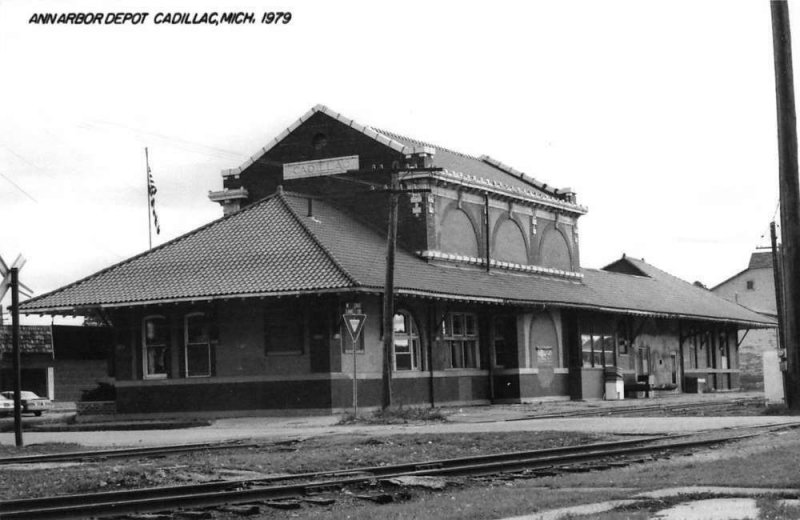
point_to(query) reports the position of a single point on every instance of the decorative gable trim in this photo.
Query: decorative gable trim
(511, 266)
(525, 196)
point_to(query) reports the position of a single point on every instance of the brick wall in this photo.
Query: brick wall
(74, 376)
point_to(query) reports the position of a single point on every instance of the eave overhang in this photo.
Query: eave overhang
(81, 310)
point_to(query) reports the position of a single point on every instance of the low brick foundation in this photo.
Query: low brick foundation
(96, 407)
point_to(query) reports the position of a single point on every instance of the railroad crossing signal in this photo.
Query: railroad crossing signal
(5, 277)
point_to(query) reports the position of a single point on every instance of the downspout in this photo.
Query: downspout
(486, 230)
(492, 357)
(681, 357)
(431, 336)
(488, 269)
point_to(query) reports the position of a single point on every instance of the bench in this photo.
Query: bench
(642, 384)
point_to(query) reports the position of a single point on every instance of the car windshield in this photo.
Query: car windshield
(23, 395)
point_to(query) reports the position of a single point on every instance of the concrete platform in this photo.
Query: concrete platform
(474, 419)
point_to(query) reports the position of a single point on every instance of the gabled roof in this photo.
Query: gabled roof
(662, 292)
(758, 260)
(33, 339)
(275, 247)
(624, 266)
(483, 168)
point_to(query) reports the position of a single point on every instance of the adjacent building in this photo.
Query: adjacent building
(492, 304)
(58, 361)
(754, 288)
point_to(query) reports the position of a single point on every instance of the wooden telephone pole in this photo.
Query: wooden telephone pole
(789, 195)
(9, 279)
(388, 294)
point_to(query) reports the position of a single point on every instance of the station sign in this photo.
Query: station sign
(320, 167)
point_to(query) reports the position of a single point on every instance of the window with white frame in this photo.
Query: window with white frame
(460, 336)
(406, 342)
(155, 347)
(197, 345)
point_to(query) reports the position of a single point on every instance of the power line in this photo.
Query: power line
(18, 187)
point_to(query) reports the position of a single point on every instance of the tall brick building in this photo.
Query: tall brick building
(753, 288)
(492, 304)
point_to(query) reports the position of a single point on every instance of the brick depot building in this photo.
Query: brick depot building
(244, 314)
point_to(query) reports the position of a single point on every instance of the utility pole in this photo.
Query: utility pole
(9, 279)
(17, 362)
(777, 277)
(388, 293)
(789, 194)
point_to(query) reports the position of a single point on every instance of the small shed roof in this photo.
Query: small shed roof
(33, 339)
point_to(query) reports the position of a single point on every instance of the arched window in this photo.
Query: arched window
(509, 244)
(406, 342)
(155, 347)
(554, 251)
(457, 235)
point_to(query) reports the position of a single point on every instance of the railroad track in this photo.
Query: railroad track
(80, 456)
(309, 484)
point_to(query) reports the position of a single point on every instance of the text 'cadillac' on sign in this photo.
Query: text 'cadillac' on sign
(318, 168)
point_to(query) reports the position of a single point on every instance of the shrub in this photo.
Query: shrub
(102, 392)
(400, 415)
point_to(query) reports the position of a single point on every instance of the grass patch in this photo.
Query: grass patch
(7, 450)
(777, 509)
(400, 415)
(779, 409)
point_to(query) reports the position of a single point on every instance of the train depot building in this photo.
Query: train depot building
(492, 306)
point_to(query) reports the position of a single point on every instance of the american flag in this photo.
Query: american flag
(151, 189)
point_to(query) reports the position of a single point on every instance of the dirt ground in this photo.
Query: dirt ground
(314, 444)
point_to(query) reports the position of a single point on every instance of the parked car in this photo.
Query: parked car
(31, 403)
(6, 406)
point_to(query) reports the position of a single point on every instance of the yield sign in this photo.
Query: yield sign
(354, 323)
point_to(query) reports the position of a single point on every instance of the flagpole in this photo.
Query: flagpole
(147, 190)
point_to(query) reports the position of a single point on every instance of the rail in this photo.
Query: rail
(242, 491)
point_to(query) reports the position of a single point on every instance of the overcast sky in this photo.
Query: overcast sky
(659, 114)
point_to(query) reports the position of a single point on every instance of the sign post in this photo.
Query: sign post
(354, 321)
